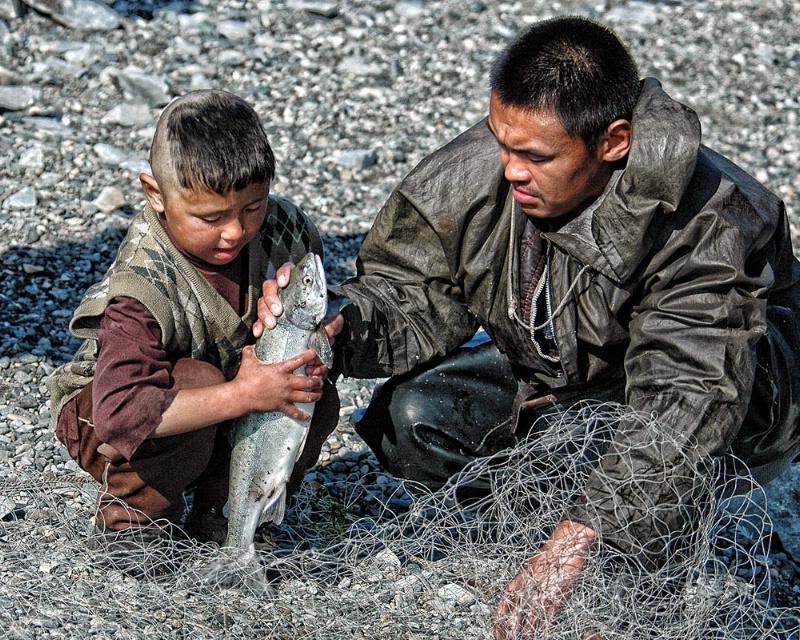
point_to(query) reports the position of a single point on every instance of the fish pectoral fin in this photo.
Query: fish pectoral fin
(273, 496)
(302, 445)
(319, 343)
(275, 510)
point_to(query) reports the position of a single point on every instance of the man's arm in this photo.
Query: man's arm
(544, 583)
(405, 308)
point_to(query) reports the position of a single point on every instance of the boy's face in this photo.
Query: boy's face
(207, 225)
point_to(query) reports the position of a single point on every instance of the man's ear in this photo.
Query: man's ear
(616, 144)
(153, 193)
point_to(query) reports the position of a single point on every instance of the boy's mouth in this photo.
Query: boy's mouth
(227, 253)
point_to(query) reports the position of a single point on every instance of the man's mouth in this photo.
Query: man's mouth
(523, 197)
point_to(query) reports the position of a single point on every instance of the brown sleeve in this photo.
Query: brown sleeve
(133, 380)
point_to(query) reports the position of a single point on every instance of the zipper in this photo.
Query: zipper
(547, 325)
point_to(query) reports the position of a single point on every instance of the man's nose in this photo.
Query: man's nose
(515, 168)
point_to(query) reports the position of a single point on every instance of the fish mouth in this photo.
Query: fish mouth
(320, 273)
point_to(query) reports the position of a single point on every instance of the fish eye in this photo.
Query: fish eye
(308, 281)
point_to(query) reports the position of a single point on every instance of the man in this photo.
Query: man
(608, 254)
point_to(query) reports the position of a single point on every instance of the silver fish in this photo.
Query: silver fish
(267, 445)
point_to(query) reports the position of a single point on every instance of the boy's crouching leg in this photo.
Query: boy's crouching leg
(324, 422)
(149, 486)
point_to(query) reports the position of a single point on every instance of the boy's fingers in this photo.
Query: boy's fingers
(258, 328)
(299, 360)
(269, 305)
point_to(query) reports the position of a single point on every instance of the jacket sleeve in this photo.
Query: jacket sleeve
(690, 368)
(406, 306)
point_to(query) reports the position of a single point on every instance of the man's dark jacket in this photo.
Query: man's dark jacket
(679, 277)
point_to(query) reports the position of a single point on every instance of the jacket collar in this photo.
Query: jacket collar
(614, 233)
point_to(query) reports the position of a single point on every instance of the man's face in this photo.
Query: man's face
(552, 173)
(212, 227)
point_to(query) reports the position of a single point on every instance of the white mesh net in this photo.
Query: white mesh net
(422, 565)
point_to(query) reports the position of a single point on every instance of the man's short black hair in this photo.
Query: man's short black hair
(573, 68)
(211, 140)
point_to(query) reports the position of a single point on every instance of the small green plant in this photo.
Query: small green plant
(326, 514)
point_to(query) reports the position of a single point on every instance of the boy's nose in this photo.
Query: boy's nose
(234, 230)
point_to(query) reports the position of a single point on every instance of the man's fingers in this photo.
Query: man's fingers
(283, 274)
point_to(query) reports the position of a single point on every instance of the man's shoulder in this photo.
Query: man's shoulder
(470, 149)
(466, 168)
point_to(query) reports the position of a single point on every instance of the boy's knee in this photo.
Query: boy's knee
(193, 374)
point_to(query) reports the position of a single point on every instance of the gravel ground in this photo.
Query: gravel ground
(353, 94)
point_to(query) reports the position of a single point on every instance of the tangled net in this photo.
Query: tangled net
(428, 565)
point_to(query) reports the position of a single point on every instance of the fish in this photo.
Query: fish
(266, 445)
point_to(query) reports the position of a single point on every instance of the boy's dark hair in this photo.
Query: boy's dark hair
(211, 140)
(574, 68)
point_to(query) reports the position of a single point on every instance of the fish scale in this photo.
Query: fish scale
(267, 445)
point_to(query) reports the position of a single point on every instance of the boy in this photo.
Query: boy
(167, 357)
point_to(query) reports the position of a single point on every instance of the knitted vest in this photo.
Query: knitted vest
(195, 320)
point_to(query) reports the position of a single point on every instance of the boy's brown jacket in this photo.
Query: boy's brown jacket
(195, 320)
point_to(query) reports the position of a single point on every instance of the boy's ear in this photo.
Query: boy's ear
(153, 193)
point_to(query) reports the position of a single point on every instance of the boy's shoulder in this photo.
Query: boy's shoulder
(288, 233)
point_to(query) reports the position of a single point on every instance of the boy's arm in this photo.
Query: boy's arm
(258, 386)
(134, 393)
(132, 385)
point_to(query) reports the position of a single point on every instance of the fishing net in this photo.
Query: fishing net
(371, 557)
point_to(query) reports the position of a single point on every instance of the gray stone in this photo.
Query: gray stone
(81, 15)
(32, 158)
(356, 159)
(25, 198)
(316, 7)
(409, 9)
(64, 68)
(233, 29)
(82, 54)
(636, 13)
(130, 115)
(108, 154)
(140, 87)
(17, 98)
(110, 199)
(11, 9)
(136, 166)
(357, 66)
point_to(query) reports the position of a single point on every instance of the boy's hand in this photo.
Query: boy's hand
(270, 305)
(275, 387)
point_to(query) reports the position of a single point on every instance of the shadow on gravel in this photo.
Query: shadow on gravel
(146, 8)
(41, 288)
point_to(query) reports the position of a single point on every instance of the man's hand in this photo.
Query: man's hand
(270, 305)
(544, 583)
